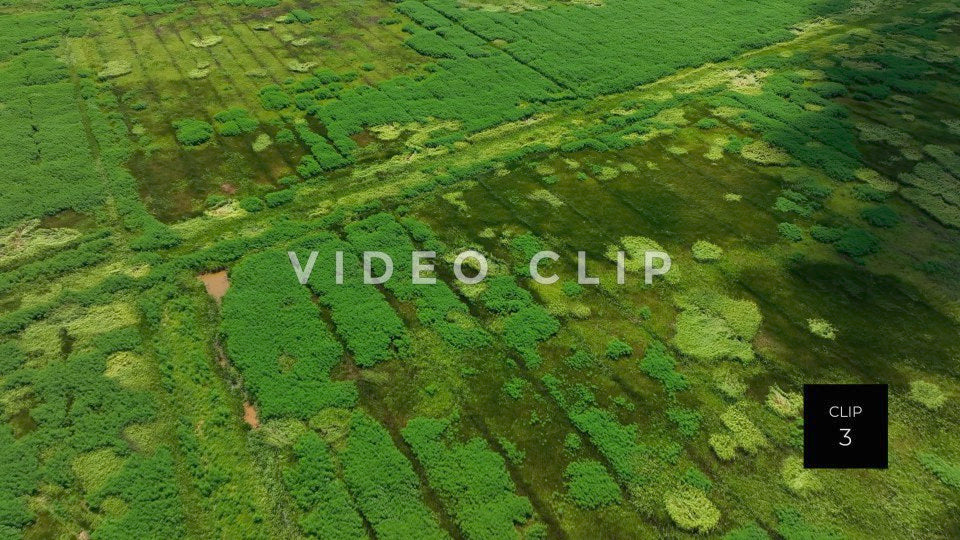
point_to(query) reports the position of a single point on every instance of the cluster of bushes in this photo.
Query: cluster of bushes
(384, 484)
(742, 434)
(712, 326)
(947, 472)
(214, 463)
(371, 329)
(851, 241)
(312, 481)
(49, 165)
(525, 323)
(276, 339)
(658, 363)
(470, 478)
(894, 74)
(148, 487)
(617, 442)
(21, 473)
(543, 40)
(273, 98)
(193, 132)
(934, 190)
(235, 121)
(617, 349)
(76, 409)
(590, 485)
(323, 156)
(880, 216)
(437, 306)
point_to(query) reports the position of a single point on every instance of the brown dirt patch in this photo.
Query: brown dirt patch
(250, 415)
(216, 284)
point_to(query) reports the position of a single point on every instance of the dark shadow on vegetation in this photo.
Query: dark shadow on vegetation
(884, 319)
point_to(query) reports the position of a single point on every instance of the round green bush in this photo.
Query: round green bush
(252, 204)
(192, 132)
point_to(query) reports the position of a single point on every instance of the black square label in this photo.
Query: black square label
(845, 426)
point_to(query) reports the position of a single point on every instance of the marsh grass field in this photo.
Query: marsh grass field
(164, 375)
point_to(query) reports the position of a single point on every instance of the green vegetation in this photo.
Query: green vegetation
(658, 363)
(275, 337)
(383, 483)
(313, 483)
(590, 485)
(690, 509)
(192, 132)
(166, 373)
(470, 478)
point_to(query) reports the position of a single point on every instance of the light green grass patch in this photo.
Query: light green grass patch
(114, 69)
(821, 328)
(798, 480)
(712, 326)
(146, 437)
(261, 143)
(209, 40)
(764, 154)
(876, 181)
(29, 238)
(927, 394)
(93, 469)
(129, 369)
(543, 195)
(704, 251)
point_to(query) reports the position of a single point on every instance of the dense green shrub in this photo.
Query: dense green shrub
(21, 474)
(148, 486)
(790, 232)
(502, 295)
(277, 198)
(617, 442)
(252, 204)
(371, 329)
(384, 485)
(313, 483)
(235, 121)
(863, 192)
(436, 304)
(707, 123)
(273, 98)
(618, 349)
(526, 328)
(687, 420)
(857, 243)
(948, 473)
(193, 132)
(590, 485)
(471, 480)
(880, 216)
(825, 235)
(658, 363)
(284, 136)
(276, 339)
